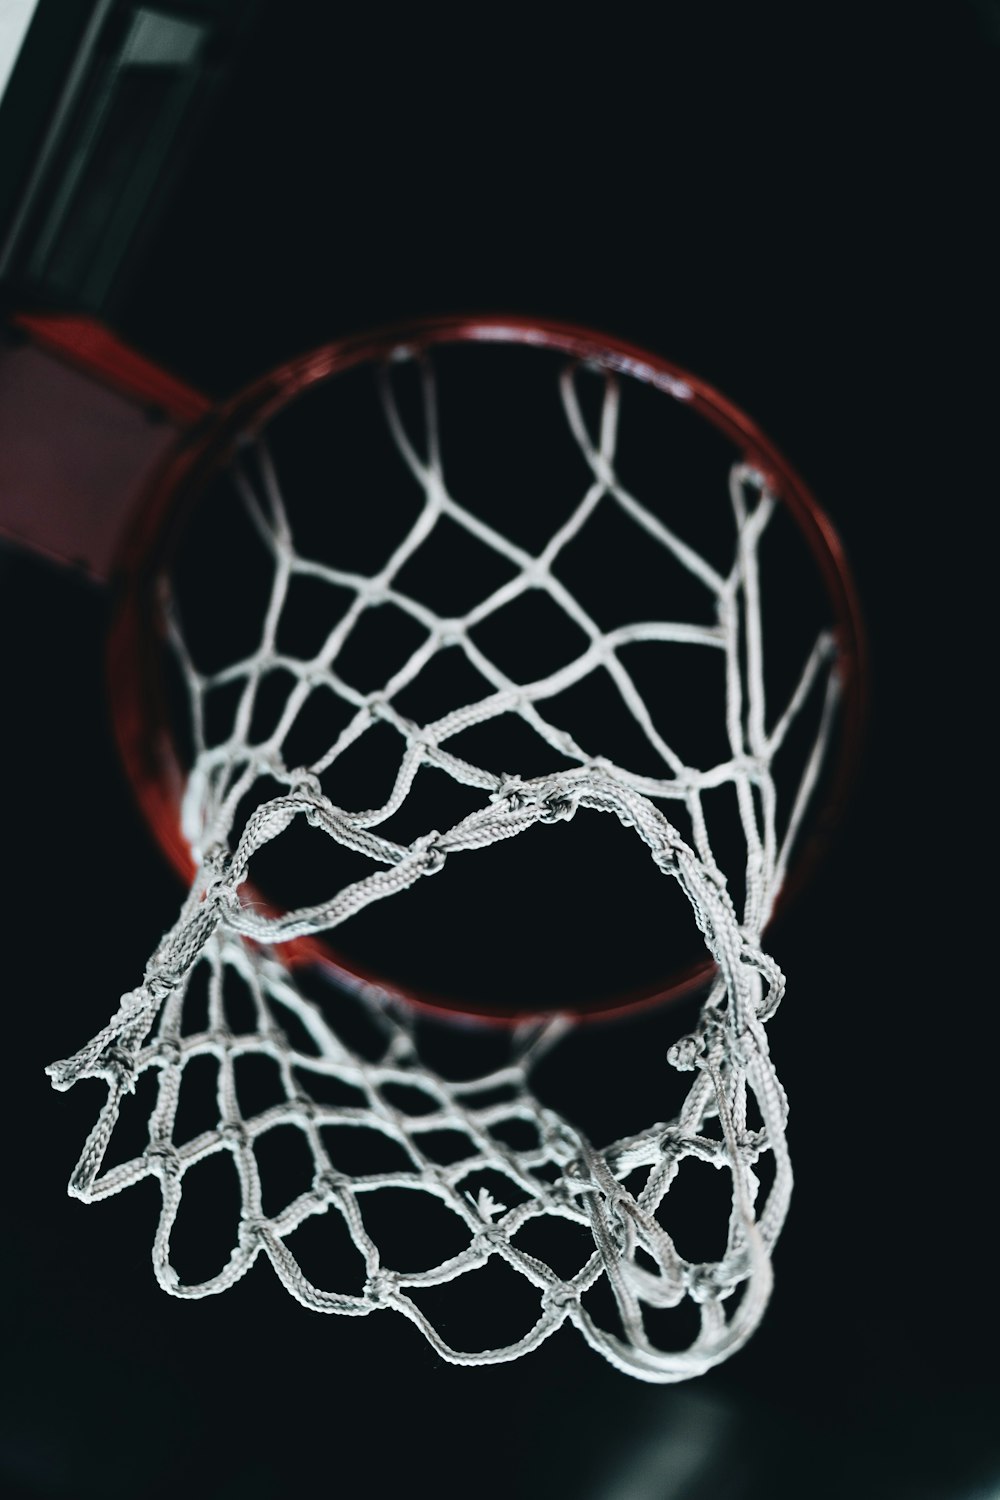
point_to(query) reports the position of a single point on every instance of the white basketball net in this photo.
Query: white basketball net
(615, 1193)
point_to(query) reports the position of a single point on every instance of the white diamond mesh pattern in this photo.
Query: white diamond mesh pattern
(614, 1192)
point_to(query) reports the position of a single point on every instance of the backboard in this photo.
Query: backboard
(101, 104)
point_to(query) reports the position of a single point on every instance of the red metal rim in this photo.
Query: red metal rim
(137, 688)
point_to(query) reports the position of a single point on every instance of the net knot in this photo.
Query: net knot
(164, 1158)
(740, 1048)
(704, 1046)
(303, 783)
(214, 873)
(253, 1228)
(702, 1283)
(119, 1061)
(380, 1289)
(577, 1178)
(666, 858)
(163, 974)
(169, 1051)
(327, 1186)
(717, 1042)
(558, 804)
(560, 1297)
(621, 1203)
(233, 1134)
(490, 1237)
(683, 1055)
(432, 854)
(512, 792)
(219, 897)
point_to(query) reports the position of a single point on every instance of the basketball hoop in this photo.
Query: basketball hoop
(426, 599)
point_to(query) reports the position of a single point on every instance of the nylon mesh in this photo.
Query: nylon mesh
(734, 1113)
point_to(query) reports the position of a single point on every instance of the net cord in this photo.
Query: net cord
(562, 1175)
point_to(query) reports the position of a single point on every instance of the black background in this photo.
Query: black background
(796, 207)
